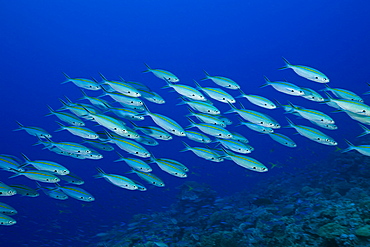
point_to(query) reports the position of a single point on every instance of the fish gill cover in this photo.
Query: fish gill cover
(126, 158)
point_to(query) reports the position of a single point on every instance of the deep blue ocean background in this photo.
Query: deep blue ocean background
(242, 40)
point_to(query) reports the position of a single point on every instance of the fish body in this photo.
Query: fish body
(197, 137)
(117, 180)
(187, 91)
(24, 190)
(45, 165)
(312, 95)
(313, 134)
(82, 83)
(6, 209)
(41, 176)
(136, 164)
(76, 193)
(216, 93)
(256, 127)
(53, 192)
(201, 106)
(6, 220)
(166, 123)
(206, 118)
(122, 87)
(222, 81)
(7, 163)
(343, 93)
(170, 166)
(307, 72)
(204, 153)
(284, 87)
(210, 129)
(246, 162)
(34, 131)
(362, 149)
(72, 179)
(255, 117)
(258, 100)
(79, 131)
(130, 146)
(150, 178)
(351, 106)
(282, 139)
(162, 74)
(66, 117)
(236, 146)
(154, 132)
(6, 190)
(311, 115)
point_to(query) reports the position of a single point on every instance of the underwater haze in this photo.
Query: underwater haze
(313, 194)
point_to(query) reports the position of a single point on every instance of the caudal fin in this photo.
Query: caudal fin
(287, 64)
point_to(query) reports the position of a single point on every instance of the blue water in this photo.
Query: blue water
(243, 40)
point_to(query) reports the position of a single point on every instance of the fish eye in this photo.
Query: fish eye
(316, 77)
(254, 167)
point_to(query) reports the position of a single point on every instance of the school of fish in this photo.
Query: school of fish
(121, 106)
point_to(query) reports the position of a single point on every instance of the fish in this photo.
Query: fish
(72, 178)
(238, 137)
(284, 87)
(78, 131)
(6, 190)
(343, 93)
(45, 165)
(197, 137)
(153, 131)
(149, 177)
(34, 131)
(24, 190)
(256, 127)
(306, 72)
(235, 146)
(53, 192)
(185, 90)
(362, 149)
(222, 81)
(282, 139)
(165, 122)
(349, 105)
(121, 98)
(6, 220)
(129, 146)
(313, 134)
(201, 106)
(170, 166)
(41, 176)
(204, 153)
(76, 193)
(216, 93)
(310, 114)
(66, 117)
(162, 74)
(111, 123)
(117, 180)
(255, 117)
(7, 209)
(8, 163)
(210, 129)
(246, 162)
(98, 102)
(257, 100)
(136, 164)
(122, 87)
(151, 96)
(99, 145)
(70, 147)
(82, 83)
(206, 118)
(147, 140)
(126, 113)
(312, 95)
